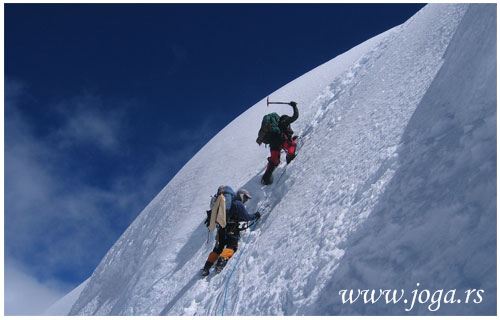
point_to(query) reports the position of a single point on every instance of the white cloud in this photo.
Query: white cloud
(52, 224)
(43, 207)
(87, 121)
(25, 295)
(57, 221)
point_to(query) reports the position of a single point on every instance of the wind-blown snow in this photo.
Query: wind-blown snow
(63, 306)
(394, 184)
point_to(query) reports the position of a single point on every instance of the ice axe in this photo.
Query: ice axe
(275, 102)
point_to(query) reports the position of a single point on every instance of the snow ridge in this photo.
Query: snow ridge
(353, 184)
(367, 110)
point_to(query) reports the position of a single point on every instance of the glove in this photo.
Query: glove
(257, 215)
(207, 220)
(293, 103)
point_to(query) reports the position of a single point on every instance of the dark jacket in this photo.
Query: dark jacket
(276, 140)
(238, 212)
(285, 120)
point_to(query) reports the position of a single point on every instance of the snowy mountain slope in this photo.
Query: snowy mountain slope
(348, 157)
(357, 142)
(245, 161)
(436, 222)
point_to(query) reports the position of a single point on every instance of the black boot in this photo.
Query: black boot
(206, 269)
(204, 272)
(267, 178)
(221, 263)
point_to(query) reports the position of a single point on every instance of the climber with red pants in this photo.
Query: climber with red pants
(276, 132)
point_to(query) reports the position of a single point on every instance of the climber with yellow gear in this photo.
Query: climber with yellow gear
(227, 223)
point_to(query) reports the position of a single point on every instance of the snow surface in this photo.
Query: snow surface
(394, 183)
(63, 306)
(436, 221)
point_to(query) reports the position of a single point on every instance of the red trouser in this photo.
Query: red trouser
(288, 145)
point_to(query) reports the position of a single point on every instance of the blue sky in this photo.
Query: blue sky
(105, 103)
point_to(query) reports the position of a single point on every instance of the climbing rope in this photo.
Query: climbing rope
(242, 251)
(304, 134)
